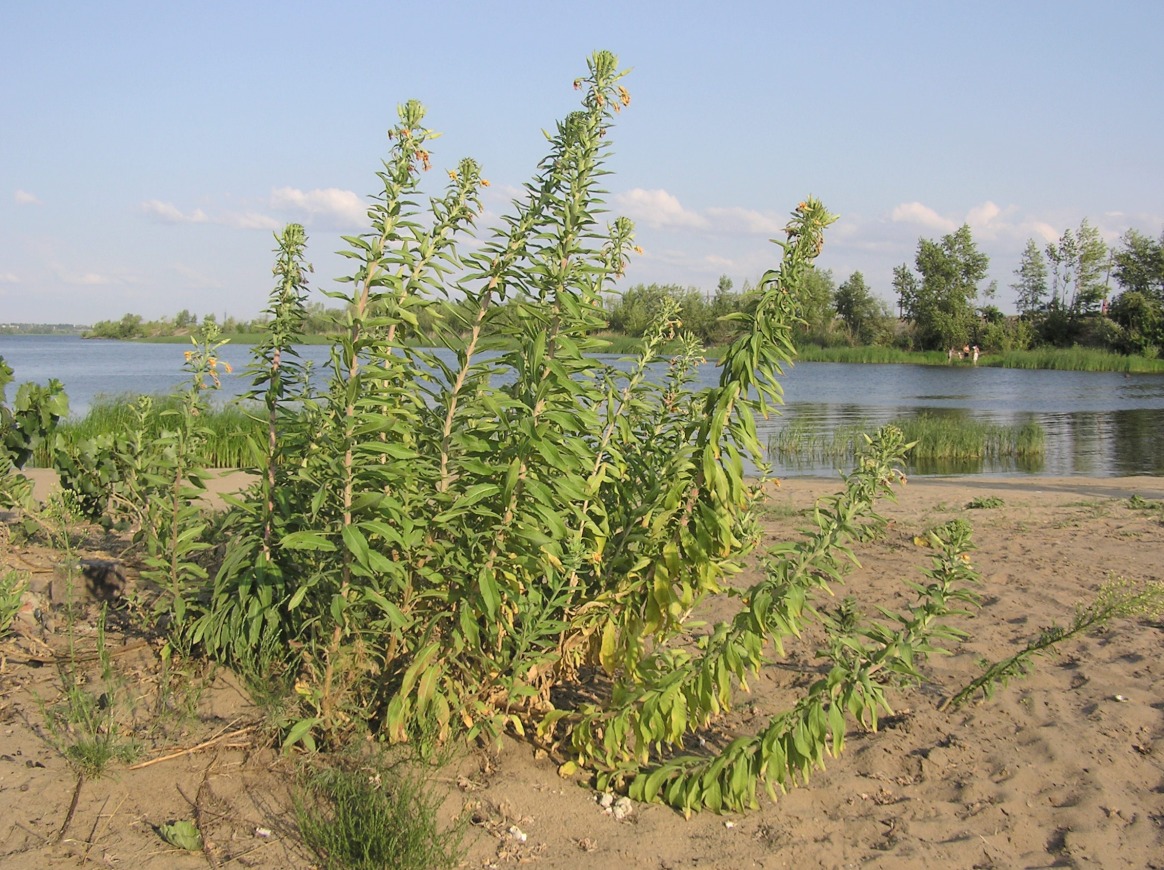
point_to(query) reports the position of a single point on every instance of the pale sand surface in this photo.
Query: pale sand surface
(1064, 768)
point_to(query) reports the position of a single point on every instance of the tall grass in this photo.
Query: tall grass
(942, 439)
(1074, 359)
(869, 354)
(1069, 359)
(231, 430)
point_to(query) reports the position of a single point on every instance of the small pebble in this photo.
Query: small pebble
(517, 833)
(623, 808)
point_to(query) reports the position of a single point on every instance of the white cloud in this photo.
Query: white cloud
(169, 213)
(250, 221)
(981, 215)
(746, 220)
(657, 208)
(88, 279)
(23, 197)
(923, 215)
(331, 205)
(718, 262)
(9, 278)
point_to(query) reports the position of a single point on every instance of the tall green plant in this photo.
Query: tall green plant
(28, 424)
(171, 484)
(451, 543)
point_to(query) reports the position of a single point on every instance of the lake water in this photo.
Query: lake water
(1102, 424)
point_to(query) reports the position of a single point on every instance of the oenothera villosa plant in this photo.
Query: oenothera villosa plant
(28, 423)
(443, 547)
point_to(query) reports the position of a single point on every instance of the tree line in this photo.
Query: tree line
(1074, 291)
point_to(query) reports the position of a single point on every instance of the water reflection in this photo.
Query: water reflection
(1102, 424)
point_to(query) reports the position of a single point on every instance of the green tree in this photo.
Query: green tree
(724, 303)
(942, 305)
(1139, 264)
(905, 286)
(1031, 287)
(1079, 269)
(861, 313)
(815, 304)
(1142, 319)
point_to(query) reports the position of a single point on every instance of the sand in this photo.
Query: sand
(1063, 768)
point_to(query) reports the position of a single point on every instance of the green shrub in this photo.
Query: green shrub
(454, 549)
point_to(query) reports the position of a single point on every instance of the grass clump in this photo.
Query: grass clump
(935, 438)
(1138, 503)
(943, 437)
(373, 817)
(84, 725)
(984, 502)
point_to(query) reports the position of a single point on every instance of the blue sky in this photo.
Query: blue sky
(148, 150)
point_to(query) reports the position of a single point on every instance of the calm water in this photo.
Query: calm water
(1103, 424)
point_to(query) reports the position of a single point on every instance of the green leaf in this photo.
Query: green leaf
(307, 541)
(183, 835)
(300, 732)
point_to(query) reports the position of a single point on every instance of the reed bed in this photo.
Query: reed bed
(1074, 359)
(936, 437)
(869, 354)
(232, 431)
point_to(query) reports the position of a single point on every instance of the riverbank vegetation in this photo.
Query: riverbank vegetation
(516, 542)
(936, 440)
(1083, 306)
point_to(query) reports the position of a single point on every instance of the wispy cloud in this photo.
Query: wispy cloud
(9, 278)
(745, 220)
(87, 279)
(250, 220)
(330, 206)
(23, 197)
(921, 215)
(168, 213)
(658, 208)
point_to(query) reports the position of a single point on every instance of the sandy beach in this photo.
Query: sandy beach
(1063, 768)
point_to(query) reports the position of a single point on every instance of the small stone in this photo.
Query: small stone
(517, 834)
(622, 808)
(262, 832)
(605, 800)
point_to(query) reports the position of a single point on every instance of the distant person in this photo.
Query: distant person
(975, 354)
